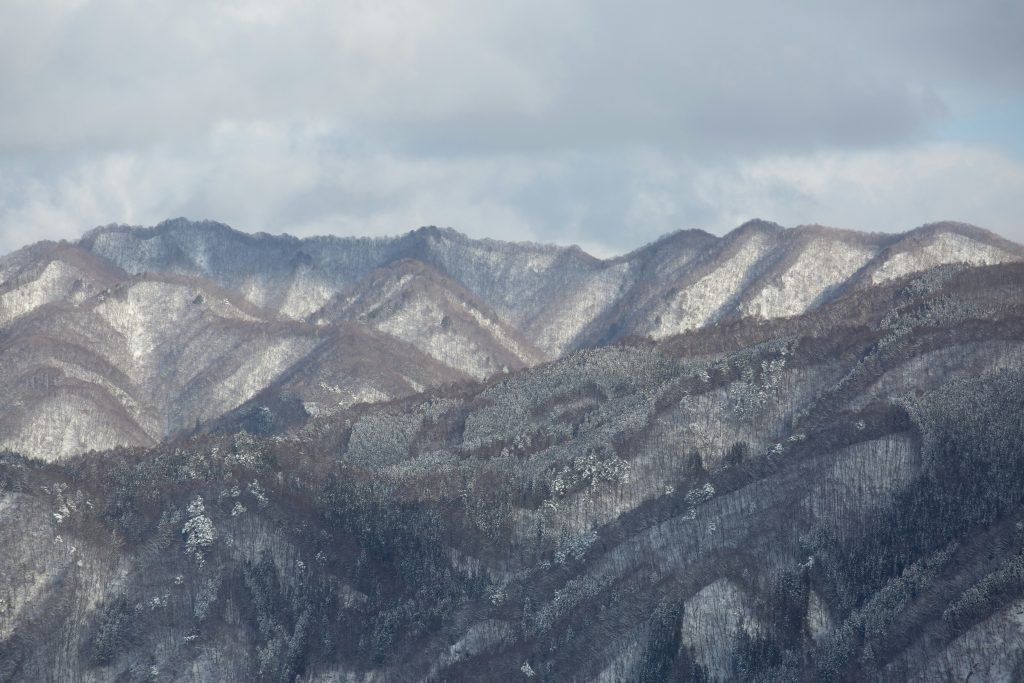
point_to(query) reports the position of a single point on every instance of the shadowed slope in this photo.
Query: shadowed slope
(834, 496)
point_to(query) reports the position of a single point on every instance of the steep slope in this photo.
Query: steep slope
(560, 299)
(812, 266)
(47, 272)
(296, 277)
(351, 364)
(941, 244)
(155, 355)
(95, 358)
(827, 497)
(655, 269)
(761, 270)
(414, 303)
(704, 293)
(136, 334)
(134, 364)
(281, 273)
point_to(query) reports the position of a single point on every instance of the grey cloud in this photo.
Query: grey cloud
(600, 122)
(766, 74)
(608, 201)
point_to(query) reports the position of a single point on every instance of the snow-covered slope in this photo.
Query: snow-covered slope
(134, 334)
(414, 303)
(942, 244)
(351, 364)
(834, 496)
(560, 298)
(134, 364)
(48, 272)
(156, 355)
(810, 272)
(297, 277)
(703, 300)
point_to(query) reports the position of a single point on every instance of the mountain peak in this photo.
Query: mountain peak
(757, 225)
(169, 226)
(508, 443)
(968, 230)
(439, 232)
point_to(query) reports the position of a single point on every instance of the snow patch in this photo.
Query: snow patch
(152, 311)
(819, 622)
(307, 294)
(581, 305)
(52, 284)
(696, 304)
(710, 619)
(419, 322)
(948, 247)
(62, 425)
(820, 265)
(364, 395)
(257, 371)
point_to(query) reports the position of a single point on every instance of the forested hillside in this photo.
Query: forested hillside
(132, 336)
(834, 495)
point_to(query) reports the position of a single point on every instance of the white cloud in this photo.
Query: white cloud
(885, 190)
(260, 176)
(268, 177)
(460, 73)
(596, 122)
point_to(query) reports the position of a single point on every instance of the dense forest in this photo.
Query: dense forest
(835, 496)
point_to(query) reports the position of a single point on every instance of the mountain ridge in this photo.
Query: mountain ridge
(833, 496)
(471, 308)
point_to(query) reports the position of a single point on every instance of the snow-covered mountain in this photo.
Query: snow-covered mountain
(134, 334)
(832, 496)
(560, 298)
(415, 303)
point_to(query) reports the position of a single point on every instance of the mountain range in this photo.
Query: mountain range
(132, 335)
(777, 455)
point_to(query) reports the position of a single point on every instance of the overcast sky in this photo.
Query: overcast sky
(603, 123)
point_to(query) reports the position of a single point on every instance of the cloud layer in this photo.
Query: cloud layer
(589, 122)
